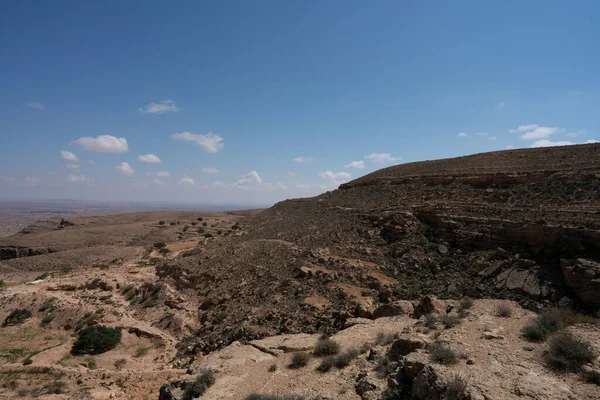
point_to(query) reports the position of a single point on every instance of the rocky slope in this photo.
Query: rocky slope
(521, 225)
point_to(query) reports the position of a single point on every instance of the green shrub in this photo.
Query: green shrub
(120, 363)
(203, 381)
(326, 364)
(27, 361)
(553, 320)
(450, 321)
(201, 230)
(164, 251)
(535, 333)
(141, 352)
(204, 224)
(567, 354)
(42, 276)
(200, 219)
(220, 317)
(442, 354)
(384, 339)
(96, 340)
(160, 245)
(341, 361)
(55, 387)
(431, 320)
(48, 305)
(208, 235)
(503, 310)
(47, 319)
(299, 360)
(17, 316)
(456, 388)
(161, 222)
(466, 303)
(273, 368)
(592, 376)
(326, 347)
(173, 223)
(385, 366)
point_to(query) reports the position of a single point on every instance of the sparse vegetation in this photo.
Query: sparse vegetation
(553, 320)
(299, 360)
(55, 387)
(567, 354)
(503, 310)
(208, 235)
(442, 354)
(456, 387)
(431, 321)
(164, 251)
(200, 219)
(450, 321)
(48, 305)
(160, 245)
(47, 319)
(326, 347)
(326, 364)
(466, 303)
(384, 339)
(17, 317)
(592, 376)
(120, 363)
(341, 361)
(161, 222)
(256, 396)
(96, 340)
(384, 366)
(203, 381)
(220, 317)
(273, 368)
(42, 276)
(141, 351)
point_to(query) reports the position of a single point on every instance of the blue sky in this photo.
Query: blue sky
(253, 85)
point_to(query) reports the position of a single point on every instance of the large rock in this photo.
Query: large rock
(280, 344)
(430, 305)
(583, 276)
(401, 307)
(405, 345)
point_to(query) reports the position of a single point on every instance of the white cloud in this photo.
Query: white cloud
(549, 143)
(163, 174)
(67, 155)
(251, 178)
(91, 162)
(290, 173)
(492, 138)
(575, 134)
(462, 134)
(210, 142)
(541, 132)
(125, 169)
(103, 144)
(302, 185)
(590, 141)
(186, 181)
(510, 147)
(380, 158)
(500, 105)
(37, 106)
(219, 184)
(481, 134)
(355, 164)
(524, 128)
(72, 166)
(149, 158)
(282, 186)
(157, 181)
(159, 108)
(210, 170)
(302, 159)
(32, 180)
(336, 177)
(78, 179)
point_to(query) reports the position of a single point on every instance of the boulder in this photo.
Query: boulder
(401, 307)
(583, 276)
(429, 305)
(405, 345)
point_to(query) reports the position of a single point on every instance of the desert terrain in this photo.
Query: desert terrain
(427, 277)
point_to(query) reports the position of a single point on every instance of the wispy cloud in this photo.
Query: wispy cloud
(290, 173)
(500, 105)
(210, 142)
(336, 177)
(356, 164)
(37, 106)
(78, 179)
(492, 138)
(523, 128)
(72, 166)
(549, 143)
(302, 159)
(149, 158)
(159, 108)
(67, 155)
(251, 178)
(186, 181)
(163, 174)
(32, 180)
(481, 134)
(462, 134)
(103, 144)
(380, 158)
(210, 170)
(125, 169)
